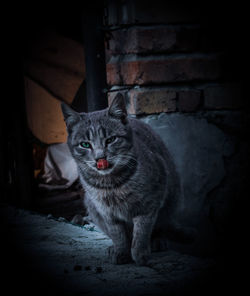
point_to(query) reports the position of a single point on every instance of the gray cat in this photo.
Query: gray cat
(130, 182)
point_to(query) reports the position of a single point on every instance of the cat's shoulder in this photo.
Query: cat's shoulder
(141, 128)
(145, 134)
(138, 124)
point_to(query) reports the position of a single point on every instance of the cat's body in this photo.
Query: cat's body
(133, 199)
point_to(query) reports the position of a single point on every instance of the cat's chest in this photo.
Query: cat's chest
(116, 202)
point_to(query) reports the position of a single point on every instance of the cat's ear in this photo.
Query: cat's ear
(70, 116)
(117, 108)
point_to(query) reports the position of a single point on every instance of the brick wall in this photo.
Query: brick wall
(180, 74)
(167, 64)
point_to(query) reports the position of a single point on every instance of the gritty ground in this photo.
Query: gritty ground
(42, 254)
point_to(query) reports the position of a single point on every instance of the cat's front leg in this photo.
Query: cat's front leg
(120, 252)
(143, 226)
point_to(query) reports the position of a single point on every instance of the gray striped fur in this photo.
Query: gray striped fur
(132, 201)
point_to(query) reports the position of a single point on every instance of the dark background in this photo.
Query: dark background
(226, 23)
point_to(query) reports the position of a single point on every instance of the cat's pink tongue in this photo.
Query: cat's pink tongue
(102, 164)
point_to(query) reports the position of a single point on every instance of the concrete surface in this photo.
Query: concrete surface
(52, 257)
(199, 149)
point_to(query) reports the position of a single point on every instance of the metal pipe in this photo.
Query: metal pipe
(95, 58)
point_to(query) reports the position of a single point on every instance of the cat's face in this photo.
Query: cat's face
(102, 135)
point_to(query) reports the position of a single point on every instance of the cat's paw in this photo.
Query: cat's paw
(140, 256)
(118, 256)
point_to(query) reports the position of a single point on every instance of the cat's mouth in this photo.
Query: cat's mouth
(102, 164)
(105, 166)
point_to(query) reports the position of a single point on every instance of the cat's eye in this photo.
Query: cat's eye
(110, 140)
(85, 145)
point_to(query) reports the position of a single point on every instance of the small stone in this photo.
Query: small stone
(77, 219)
(61, 219)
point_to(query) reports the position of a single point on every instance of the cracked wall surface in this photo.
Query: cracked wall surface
(201, 152)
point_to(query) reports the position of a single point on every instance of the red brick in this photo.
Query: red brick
(149, 100)
(222, 96)
(152, 101)
(143, 40)
(156, 39)
(189, 100)
(113, 74)
(155, 70)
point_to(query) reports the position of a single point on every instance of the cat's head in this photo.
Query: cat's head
(102, 135)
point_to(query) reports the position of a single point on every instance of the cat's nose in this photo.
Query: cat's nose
(99, 154)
